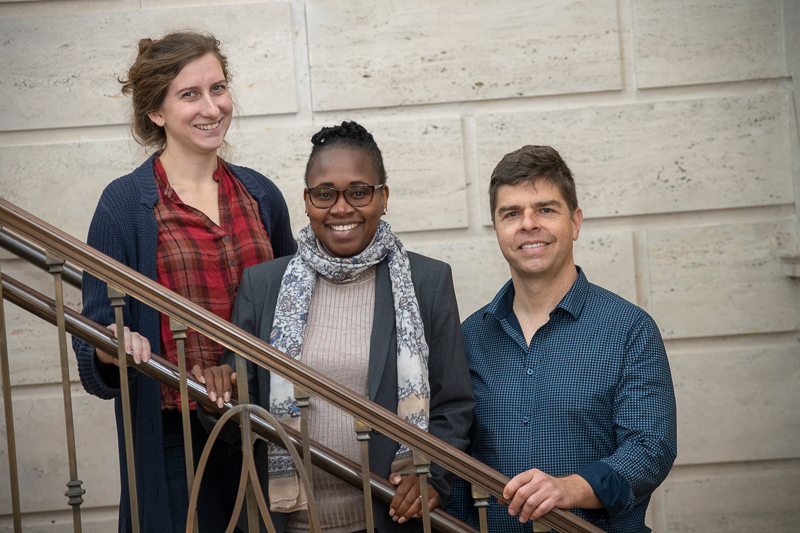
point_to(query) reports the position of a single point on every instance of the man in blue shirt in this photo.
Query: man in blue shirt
(574, 394)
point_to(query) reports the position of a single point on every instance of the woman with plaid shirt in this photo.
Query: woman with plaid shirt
(192, 222)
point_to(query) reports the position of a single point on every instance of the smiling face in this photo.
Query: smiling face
(535, 231)
(345, 230)
(197, 109)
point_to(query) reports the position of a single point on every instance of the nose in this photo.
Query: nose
(341, 205)
(530, 221)
(209, 107)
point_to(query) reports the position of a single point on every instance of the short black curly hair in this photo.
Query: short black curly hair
(347, 135)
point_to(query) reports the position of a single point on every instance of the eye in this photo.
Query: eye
(358, 192)
(219, 88)
(322, 193)
(187, 94)
(547, 210)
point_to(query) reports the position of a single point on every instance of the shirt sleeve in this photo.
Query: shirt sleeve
(610, 488)
(645, 424)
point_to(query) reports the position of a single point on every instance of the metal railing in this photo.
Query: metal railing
(60, 247)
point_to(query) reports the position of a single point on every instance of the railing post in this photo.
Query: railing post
(247, 443)
(117, 298)
(9, 412)
(75, 490)
(179, 334)
(362, 435)
(481, 498)
(423, 469)
(302, 398)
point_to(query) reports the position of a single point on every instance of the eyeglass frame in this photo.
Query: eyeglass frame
(340, 192)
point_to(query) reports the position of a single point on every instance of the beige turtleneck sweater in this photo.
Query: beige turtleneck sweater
(336, 343)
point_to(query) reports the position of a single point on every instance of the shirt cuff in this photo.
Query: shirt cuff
(608, 485)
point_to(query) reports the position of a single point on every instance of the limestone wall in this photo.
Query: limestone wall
(678, 117)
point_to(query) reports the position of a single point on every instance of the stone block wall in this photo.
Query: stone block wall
(679, 119)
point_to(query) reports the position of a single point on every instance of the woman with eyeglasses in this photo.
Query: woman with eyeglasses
(355, 305)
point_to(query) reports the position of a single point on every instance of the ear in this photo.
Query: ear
(385, 192)
(157, 118)
(577, 218)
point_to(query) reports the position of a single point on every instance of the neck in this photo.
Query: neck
(184, 169)
(539, 296)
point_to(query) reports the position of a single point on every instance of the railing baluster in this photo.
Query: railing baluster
(117, 298)
(481, 498)
(247, 444)
(362, 434)
(9, 412)
(423, 470)
(179, 335)
(75, 490)
(303, 402)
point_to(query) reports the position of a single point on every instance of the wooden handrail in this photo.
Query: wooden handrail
(162, 370)
(32, 254)
(254, 349)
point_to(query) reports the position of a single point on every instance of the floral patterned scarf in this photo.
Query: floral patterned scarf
(288, 328)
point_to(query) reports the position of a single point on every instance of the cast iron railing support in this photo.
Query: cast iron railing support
(75, 490)
(9, 412)
(117, 298)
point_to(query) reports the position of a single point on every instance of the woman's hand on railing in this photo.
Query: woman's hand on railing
(407, 501)
(135, 344)
(219, 381)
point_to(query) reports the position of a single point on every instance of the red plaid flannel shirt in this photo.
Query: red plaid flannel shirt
(204, 262)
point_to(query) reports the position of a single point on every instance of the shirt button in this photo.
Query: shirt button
(529, 371)
(524, 419)
(226, 239)
(233, 263)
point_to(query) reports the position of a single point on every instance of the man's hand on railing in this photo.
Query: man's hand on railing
(135, 344)
(533, 493)
(407, 502)
(219, 381)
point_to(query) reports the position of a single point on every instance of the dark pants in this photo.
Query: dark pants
(220, 481)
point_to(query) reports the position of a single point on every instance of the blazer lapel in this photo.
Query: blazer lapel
(384, 330)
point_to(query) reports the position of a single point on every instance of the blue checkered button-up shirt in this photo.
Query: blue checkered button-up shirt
(590, 394)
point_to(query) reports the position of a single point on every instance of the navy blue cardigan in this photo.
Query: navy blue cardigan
(124, 228)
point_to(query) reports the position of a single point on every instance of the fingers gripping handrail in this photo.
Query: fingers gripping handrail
(258, 351)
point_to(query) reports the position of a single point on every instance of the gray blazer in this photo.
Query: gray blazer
(451, 401)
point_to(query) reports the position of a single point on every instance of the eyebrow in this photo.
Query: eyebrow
(351, 184)
(196, 87)
(538, 205)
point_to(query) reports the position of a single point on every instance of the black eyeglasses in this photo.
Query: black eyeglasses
(356, 195)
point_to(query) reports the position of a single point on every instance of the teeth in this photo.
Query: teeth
(537, 245)
(207, 126)
(344, 228)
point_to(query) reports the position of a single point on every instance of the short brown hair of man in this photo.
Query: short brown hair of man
(530, 164)
(157, 64)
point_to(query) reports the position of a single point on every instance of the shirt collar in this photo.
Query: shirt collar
(164, 186)
(503, 303)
